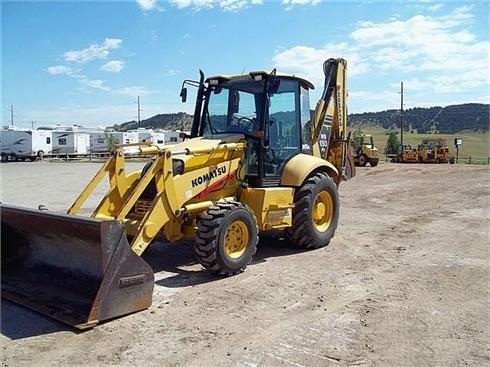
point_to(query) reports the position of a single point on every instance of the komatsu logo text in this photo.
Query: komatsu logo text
(218, 171)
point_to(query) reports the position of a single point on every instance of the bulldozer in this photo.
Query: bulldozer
(366, 152)
(255, 161)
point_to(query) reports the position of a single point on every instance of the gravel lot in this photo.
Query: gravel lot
(405, 282)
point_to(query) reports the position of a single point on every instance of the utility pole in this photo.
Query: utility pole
(139, 111)
(401, 115)
(12, 115)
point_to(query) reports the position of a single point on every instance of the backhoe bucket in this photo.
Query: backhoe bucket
(75, 269)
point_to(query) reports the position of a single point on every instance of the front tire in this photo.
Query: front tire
(316, 212)
(227, 238)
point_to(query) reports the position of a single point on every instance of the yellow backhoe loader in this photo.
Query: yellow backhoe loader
(366, 152)
(254, 161)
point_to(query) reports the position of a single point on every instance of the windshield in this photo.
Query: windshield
(231, 110)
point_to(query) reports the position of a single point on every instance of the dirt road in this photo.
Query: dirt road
(405, 282)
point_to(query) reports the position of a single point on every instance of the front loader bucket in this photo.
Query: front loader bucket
(75, 269)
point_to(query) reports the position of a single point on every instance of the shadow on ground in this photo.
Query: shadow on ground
(18, 322)
(178, 260)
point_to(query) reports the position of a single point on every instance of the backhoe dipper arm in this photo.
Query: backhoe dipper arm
(331, 110)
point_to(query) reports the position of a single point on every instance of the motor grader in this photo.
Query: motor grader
(254, 161)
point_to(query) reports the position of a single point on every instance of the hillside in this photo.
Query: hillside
(449, 119)
(167, 121)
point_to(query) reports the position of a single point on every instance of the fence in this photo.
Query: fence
(473, 160)
(469, 159)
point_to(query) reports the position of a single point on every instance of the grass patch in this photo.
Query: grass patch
(474, 144)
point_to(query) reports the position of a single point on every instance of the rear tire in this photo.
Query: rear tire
(227, 238)
(316, 212)
(363, 160)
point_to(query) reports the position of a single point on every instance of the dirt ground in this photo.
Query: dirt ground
(405, 282)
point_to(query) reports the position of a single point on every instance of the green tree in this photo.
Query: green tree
(111, 142)
(392, 144)
(357, 139)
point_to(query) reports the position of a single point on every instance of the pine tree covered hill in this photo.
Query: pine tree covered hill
(166, 121)
(449, 119)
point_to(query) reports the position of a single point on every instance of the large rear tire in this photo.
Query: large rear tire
(316, 212)
(227, 238)
(363, 160)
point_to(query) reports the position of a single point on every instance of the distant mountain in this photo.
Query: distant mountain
(167, 121)
(449, 119)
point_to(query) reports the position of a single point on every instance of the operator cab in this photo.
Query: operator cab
(271, 111)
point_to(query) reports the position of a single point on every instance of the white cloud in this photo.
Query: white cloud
(289, 4)
(95, 84)
(307, 61)
(377, 101)
(227, 5)
(147, 4)
(171, 72)
(132, 91)
(114, 66)
(435, 7)
(60, 69)
(433, 54)
(94, 51)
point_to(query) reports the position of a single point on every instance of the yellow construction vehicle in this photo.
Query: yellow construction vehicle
(406, 154)
(429, 151)
(255, 161)
(366, 152)
(435, 151)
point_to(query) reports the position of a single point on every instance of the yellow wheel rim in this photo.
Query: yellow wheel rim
(322, 211)
(236, 239)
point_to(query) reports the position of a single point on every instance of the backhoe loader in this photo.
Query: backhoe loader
(254, 161)
(366, 152)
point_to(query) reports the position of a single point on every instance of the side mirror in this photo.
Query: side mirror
(183, 94)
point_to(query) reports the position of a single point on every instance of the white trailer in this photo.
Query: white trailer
(70, 142)
(21, 144)
(150, 136)
(159, 137)
(172, 137)
(100, 142)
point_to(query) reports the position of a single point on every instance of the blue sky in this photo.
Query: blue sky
(86, 62)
